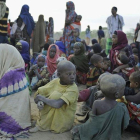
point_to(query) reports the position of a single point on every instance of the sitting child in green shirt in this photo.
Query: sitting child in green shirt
(108, 118)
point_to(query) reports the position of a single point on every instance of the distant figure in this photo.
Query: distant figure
(101, 37)
(23, 26)
(51, 27)
(4, 12)
(88, 35)
(136, 32)
(39, 35)
(115, 22)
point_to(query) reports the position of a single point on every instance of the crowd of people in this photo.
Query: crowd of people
(31, 61)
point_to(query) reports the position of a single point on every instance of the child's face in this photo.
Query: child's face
(78, 19)
(40, 62)
(76, 50)
(114, 39)
(132, 83)
(99, 64)
(52, 52)
(106, 65)
(75, 33)
(68, 76)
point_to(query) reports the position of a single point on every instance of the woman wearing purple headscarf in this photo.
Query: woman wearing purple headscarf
(70, 18)
(14, 94)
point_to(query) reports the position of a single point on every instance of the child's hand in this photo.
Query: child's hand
(34, 67)
(40, 105)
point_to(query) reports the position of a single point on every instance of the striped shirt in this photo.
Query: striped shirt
(93, 75)
(3, 23)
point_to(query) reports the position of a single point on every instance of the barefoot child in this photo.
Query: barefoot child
(108, 118)
(59, 99)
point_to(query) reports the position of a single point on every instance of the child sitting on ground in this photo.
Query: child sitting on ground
(81, 62)
(75, 38)
(134, 101)
(108, 118)
(52, 56)
(38, 73)
(95, 70)
(59, 99)
(45, 49)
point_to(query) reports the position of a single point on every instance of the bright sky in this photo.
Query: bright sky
(93, 13)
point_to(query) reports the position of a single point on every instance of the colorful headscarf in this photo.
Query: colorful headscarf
(25, 51)
(12, 74)
(40, 55)
(71, 5)
(61, 46)
(122, 43)
(51, 62)
(27, 19)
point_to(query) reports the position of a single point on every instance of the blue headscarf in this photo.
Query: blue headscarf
(25, 51)
(27, 19)
(61, 46)
(40, 55)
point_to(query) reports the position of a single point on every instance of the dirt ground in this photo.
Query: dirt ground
(127, 135)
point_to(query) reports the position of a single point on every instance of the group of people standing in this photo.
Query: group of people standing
(54, 70)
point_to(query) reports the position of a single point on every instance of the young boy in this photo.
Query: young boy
(59, 99)
(108, 118)
(107, 64)
(95, 70)
(75, 38)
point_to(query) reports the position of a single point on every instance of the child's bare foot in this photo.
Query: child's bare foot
(33, 130)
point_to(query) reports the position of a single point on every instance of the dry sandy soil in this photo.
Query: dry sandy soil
(67, 136)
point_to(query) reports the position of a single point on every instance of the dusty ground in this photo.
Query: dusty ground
(67, 136)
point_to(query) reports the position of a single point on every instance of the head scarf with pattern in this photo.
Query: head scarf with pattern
(70, 5)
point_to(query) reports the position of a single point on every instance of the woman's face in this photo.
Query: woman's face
(114, 39)
(52, 52)
(77, 50)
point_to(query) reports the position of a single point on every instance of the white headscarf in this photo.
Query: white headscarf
(10, 59)
(2, 9)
